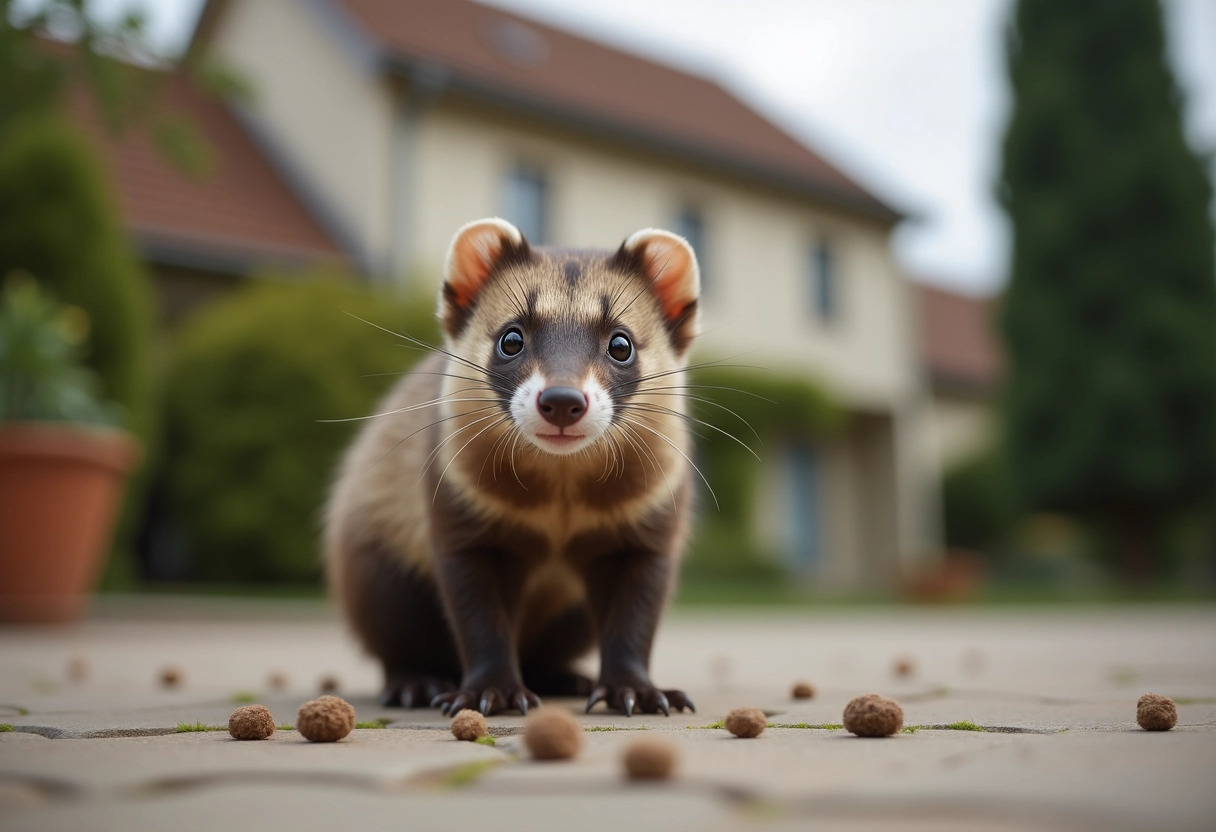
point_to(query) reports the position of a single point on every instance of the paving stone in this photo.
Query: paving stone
(1065, 683)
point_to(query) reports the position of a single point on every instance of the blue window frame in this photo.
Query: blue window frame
(689, 223)
(825, 291)
(526, 203)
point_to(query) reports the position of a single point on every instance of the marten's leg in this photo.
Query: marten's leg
(547, 658)
(626, 592)
(395, 611)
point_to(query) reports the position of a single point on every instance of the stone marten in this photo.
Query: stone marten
(523, 495)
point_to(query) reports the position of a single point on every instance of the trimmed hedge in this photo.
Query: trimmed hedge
(59, 222)
(248, 462)
(978, 503)
(747, 404)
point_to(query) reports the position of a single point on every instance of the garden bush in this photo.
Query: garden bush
(59, 222)
(978, 503)
(248, 462)
(758, 408)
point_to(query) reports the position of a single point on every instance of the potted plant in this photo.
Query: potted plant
(63, 461)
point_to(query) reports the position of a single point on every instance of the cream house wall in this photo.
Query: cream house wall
(324, 108)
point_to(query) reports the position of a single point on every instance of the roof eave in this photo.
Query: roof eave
(228, 258)
(434, 80)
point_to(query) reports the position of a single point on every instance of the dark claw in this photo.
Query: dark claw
(486, 702)
(662, 703)
(598, 695)
(628, 700)
(521, 702)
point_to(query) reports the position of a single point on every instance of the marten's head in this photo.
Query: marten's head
(568, 342)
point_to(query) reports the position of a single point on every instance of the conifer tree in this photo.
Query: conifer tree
(1110, 314)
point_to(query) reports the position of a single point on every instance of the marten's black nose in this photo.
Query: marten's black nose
(562, 406)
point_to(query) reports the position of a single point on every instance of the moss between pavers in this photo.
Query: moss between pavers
(5, 727)
(244, 697)
(593, 728)
(370, 724)
(468, 773)
(961, 725)
(486, 740)
(189, 728)
(719, 724)
(818, 726)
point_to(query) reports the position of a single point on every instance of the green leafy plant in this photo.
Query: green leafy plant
(249, 383)
(42, 374)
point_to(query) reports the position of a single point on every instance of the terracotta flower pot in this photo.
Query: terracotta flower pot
(61, 486)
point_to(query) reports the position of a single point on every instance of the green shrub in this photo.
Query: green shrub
(41, 376)
(247, 461)
(759, 409)
(59, 222)
(977, 502)
(755, 407)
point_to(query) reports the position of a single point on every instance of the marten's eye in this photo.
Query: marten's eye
(620, 348)
(511, 342)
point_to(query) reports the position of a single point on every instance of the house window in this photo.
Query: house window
(825, 293)
(689, 223)
(526, 203)
(802, 524)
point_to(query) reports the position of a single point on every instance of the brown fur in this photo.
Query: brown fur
(524, 551)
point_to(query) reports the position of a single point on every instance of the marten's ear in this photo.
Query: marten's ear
(668, 262)
(477, 250)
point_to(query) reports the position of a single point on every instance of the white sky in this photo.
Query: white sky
(908, 96)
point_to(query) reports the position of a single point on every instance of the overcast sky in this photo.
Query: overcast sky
(908, 96)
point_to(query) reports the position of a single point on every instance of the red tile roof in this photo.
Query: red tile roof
(239, 211)
(525, 66)
(958, 340)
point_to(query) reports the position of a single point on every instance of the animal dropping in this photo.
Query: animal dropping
(327, 719)
(872, 715)
(551, 733)
(803, 690)
(468, 725)
(252, 722)
(745, 722)
(1155, 712)
(649, 759)
(523, 496)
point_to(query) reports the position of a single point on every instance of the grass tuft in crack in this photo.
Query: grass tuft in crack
(5, 727)
(375, 723)
(244, 697)
(719, 724)
(965, 725)
(468, 774)
(284, 726)
(190, 728)
(486, 740)
(819, 726)
(593, 728)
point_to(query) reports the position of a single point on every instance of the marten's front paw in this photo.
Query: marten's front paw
(412, 690)
(645, 698)
(488, 700)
